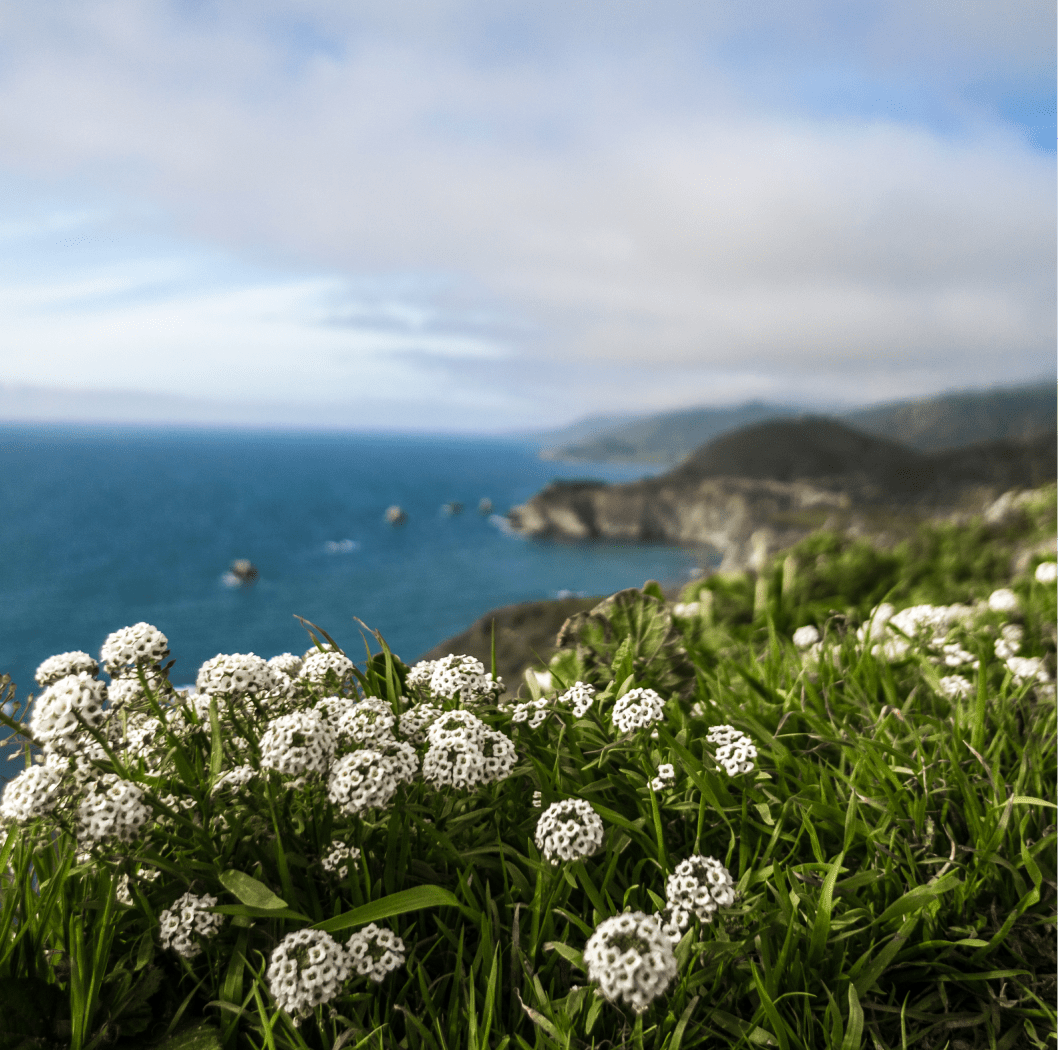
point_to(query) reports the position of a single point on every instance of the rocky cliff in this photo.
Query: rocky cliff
(765, 487)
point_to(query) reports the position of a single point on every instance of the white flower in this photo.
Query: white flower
(374, 951)
(672, 921)
(420, 673)
(56, 667)
(338, 857)
(459, 764)
(414, 721)
(369, 721)
(33, 793)
(498, 756)
(686, 610)
(630, 959)
(953, 687)
(1009, 642)
(236, 674)
(580, 697)
(454, 727)
(805, 637)
(187, 922)
(307, 969)
(954, 655)
(298, 743)
(129, 646)
(328, 667)
(1047, 572)
(1027, 669)
(700, 885)
(537, 709)
(57, 710)
(286, 664)
(1004, 601)
(736, 751)
(362, 780)
(453, 676)
(126, 690)
(538, 799)
(112, 809)
(637, 709)
(569, 830)
(237, 777)
(666, 775)
(697, 709)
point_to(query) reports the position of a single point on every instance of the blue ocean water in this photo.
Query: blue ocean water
(101, 528)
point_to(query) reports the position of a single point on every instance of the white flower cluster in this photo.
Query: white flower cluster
(569, 830)
(59, 666)
(463, 677)
(236, 674)
(630, 959)
(112, 809)
(338, 857)
(300, 743)
(33, 793)
(1003, 601)
(953, 687)
(805, 637)
(236, 777)
(686, 610)
(327, 667)
(286, 664)
(735, 751)
(141, 643)
(1047, 572)
(580, 697)
(465, 753)
(954, 655)
(637, 709)
(419, 675)
(362, 780)
(374, 951)
(532, 711)
(127, 690)
(1008, 643)
(187, 922)
(56, 713)
(665, 778)
(537, 800)
(700, 885)
(369, 721)
(306, 969)
(891, 633)
(415, 721)
(1027, 669)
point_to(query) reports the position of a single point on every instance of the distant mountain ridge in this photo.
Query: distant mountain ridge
(766, 486)
(930, 424)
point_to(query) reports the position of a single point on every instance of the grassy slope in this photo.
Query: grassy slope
(893, 850)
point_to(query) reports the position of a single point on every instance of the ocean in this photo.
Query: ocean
(104, 527)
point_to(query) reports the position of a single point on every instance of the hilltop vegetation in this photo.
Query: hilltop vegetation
(810, 807)
(927, 424)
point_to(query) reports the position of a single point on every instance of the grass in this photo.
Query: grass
(893, 849)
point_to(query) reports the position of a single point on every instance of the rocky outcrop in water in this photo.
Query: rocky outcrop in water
(765, 487)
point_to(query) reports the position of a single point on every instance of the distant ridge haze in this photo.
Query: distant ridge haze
(929, 424)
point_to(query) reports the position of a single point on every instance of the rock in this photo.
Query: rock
(762, 489)
(395, 515)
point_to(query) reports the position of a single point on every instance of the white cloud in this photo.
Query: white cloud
(576, 190)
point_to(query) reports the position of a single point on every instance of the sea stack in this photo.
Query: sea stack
(395, 515)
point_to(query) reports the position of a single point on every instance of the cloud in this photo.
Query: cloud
(548, 188)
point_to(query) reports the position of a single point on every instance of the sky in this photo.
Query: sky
(483, 216)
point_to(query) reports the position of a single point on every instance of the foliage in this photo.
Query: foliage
(892, 851)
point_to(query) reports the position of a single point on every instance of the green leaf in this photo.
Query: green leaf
(821, 926)
(245, 911)
(681, 1025)
(919, 897)
(201, 1036)
(395, 904)
(567, 953)
(854, 1032)
(250, 891)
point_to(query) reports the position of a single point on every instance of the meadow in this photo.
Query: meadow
(812, 807)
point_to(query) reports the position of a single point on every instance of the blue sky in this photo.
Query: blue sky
(489, 216)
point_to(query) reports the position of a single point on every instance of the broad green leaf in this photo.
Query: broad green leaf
(250, 891)
(919, 897)
(854, 1033)
(567, 953)
(395, 904)
(681, 1024)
